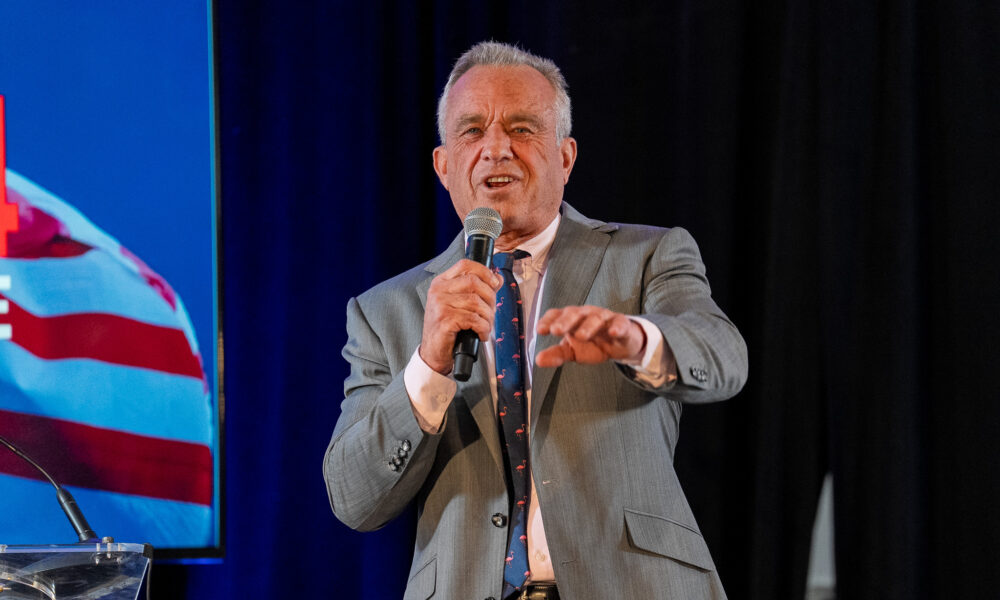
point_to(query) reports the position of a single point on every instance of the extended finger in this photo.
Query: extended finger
(550, 316)
(592, 324)
(555, 356)
(567, 321)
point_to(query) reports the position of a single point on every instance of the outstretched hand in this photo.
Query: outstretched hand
(590, 335)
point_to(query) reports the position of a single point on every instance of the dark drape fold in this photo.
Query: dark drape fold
(836, 162)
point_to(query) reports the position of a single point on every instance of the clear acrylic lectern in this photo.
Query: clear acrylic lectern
(106, 571)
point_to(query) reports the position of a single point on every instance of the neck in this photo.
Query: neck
(509, 241)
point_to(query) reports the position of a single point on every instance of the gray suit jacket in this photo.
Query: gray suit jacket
(602, 446)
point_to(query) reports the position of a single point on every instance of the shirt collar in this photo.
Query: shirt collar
(538, 247)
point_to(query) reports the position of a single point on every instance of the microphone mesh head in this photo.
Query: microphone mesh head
(483, 221)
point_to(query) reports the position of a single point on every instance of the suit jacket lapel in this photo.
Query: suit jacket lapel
(575, 257)
(442, 262)
(476, 391)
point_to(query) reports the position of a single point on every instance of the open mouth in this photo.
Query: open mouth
(499, 181)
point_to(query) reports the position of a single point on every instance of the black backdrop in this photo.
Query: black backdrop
(835, 160)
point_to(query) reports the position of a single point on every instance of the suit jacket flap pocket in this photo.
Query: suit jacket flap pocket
(421, 585)
(668, 538)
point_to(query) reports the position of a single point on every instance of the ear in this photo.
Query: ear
(441, 165)
(567, 149)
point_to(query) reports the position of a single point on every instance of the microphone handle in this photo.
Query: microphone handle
(75, 516)
(478, 248)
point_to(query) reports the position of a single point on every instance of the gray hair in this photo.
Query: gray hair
(497, 54)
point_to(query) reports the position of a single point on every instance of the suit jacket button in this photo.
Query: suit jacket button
(406, 445)
(393, 467)
(397, 461)
(499, 520)
(401, 453)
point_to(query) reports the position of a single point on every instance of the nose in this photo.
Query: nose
(496, 144)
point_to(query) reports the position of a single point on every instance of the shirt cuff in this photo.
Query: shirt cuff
(430, 393)
(657, 366)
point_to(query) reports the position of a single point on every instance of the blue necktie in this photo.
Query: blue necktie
(512, 411)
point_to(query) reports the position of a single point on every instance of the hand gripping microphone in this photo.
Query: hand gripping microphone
(482, 227)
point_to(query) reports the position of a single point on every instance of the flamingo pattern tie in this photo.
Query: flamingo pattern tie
(512, 411)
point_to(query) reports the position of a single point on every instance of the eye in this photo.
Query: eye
(522, 130)
(472, 131)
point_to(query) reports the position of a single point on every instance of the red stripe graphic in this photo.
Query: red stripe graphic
(104, 337)
(107, 459)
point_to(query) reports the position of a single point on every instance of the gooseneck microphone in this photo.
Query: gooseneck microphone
(66, 500)
(482, 228)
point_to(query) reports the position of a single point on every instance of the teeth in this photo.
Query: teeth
(499, 180)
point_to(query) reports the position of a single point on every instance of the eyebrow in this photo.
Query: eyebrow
(466, 121)
(474, 119)
(528, 118)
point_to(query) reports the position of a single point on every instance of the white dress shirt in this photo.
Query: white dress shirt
(431, 393)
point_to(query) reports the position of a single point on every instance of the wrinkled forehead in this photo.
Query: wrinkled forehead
(489, 90)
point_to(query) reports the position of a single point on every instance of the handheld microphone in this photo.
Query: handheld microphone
(482, 228)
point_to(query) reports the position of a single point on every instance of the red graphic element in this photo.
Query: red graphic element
(8, 212)
(500, 339)
(41, 235)
(509, 558)
(44, 236)
(522, 502)
(524, 539)
(520, 431)
(108, 459)
(502, 374)
(503, 413)
(518, 394)
(105, 337)
(499, 304)
(516, 357)
(521, 467)
(8, 224)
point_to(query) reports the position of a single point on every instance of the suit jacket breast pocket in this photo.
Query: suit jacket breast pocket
(662, 536)
(421, 585)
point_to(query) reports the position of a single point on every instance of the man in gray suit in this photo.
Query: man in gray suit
(619, 331)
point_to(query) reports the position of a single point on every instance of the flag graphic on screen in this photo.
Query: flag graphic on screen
(102, 382)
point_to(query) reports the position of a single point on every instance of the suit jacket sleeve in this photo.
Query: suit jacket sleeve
(710, 353)
(378, 457)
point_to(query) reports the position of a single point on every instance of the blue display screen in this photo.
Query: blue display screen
(109, 290)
